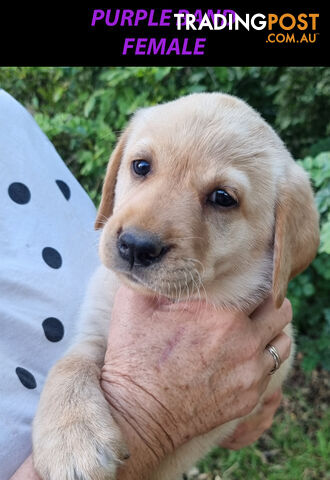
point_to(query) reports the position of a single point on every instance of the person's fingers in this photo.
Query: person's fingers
(275, 399)
(269, 321)
(282, 344)
(251, 429)
(268, 410)
(265, 382)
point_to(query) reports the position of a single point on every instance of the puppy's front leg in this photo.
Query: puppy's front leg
(74, 434)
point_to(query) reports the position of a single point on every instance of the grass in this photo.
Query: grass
(297, 447)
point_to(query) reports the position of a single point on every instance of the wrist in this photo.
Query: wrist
(145, 423)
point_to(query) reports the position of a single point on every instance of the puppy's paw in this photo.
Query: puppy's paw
(88, 448)
(74, 434)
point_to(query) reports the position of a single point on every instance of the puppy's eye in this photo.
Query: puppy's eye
(141, 167)
(222, 198)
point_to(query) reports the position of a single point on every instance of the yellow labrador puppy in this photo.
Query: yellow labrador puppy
(201, 198)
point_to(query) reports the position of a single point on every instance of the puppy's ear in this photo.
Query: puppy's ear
(109, 184)
(296, 230)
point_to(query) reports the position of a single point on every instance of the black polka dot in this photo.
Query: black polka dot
(52, 257)
(64, 188)
(26, 378)
(19, 193)
(53, 328)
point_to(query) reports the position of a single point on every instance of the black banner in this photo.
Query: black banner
(113, 36)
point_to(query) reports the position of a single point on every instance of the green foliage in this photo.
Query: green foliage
(303, 101)
(83, 109)
(310, 292)
(288, 454)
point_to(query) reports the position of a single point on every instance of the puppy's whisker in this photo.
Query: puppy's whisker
(204, 290)
(198, 291)
(179, 297)
(194, 260)
(192, 278)
(178, 284)
(187, 284)
(155, 295)
(200, 299)
(172, 304)
(176, 292)
(198, 276)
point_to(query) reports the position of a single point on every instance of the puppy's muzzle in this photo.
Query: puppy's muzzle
(140, 248)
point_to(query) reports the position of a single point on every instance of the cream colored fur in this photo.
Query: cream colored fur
(232, 258)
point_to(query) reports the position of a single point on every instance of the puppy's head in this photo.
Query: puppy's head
(201, 198)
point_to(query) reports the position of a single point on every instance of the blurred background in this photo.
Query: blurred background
(83, 109)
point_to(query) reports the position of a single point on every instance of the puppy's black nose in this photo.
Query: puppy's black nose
(140, 248)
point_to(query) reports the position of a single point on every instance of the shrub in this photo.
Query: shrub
(309, 292)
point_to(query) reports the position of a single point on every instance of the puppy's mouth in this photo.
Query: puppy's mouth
(136, 280)
(175, 286)
(146, 262)
(132, 277)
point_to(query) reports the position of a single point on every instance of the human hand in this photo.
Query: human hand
(251, 429)
(176, 371)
